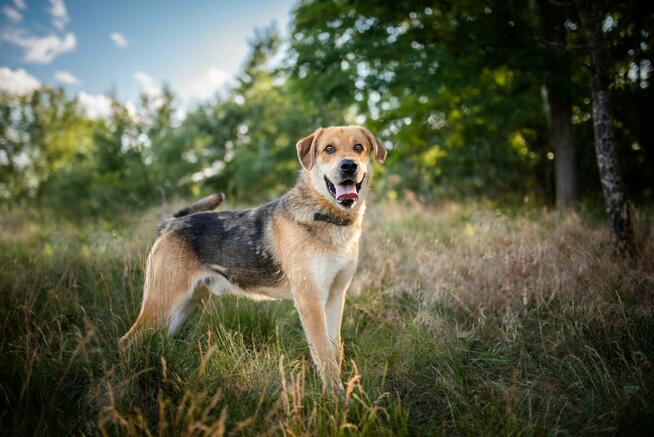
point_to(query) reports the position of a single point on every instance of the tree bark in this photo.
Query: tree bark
(592, 17)
(562, 137)
(559, 101)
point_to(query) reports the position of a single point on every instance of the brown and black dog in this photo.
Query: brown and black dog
(303, 246)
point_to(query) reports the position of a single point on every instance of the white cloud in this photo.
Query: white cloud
(17, 82)
(66, 77)
(59, 14)
(119, 39)
(40, 50)
(132, 111)
(189, 91)
(205, 85)
(95, 105)
(149, 85)
(12, 13)
(150, 88)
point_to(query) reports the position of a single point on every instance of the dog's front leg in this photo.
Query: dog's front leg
(310, 304)
(334, 309)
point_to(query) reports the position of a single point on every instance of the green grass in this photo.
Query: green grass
(462, 319)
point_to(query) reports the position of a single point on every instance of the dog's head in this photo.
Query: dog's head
(338, 160)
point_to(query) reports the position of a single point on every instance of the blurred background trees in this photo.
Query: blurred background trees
(486, 99)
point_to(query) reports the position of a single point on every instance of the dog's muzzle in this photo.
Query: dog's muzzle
(345, 192)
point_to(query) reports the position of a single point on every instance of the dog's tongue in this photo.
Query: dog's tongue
(346, 191)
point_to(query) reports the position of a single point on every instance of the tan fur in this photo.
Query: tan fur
(172, 273)
(318, 258)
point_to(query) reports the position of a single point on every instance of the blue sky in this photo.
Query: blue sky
(192, 45)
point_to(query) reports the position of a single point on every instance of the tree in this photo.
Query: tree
(559, 100)
(592, 14)
(454, 86)
(39, 135)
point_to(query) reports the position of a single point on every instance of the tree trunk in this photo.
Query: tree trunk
(557, 83)
(612, 185)
(562, 138)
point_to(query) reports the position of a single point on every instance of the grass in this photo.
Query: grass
(462, 320)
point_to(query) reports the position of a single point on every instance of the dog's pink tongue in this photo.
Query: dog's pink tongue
(346, 191)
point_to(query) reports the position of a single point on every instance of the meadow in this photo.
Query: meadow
(463, 319)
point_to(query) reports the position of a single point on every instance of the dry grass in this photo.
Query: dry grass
(462, 319)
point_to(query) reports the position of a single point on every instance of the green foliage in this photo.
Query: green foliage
(457, 87)
(40, 135)
(458, 99)
(455, 90)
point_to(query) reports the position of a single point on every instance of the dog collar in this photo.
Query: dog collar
(331, 218)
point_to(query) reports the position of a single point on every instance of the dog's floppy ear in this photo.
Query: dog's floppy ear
(379, 149)
(306, 149)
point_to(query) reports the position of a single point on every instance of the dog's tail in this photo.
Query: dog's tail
(205, 204)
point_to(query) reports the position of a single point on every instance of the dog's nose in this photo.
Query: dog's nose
(348, 166)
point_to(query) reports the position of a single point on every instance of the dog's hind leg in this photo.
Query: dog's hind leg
(171, 277)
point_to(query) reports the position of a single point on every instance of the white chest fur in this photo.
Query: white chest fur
(327, 265)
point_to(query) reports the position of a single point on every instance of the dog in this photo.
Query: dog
(302, 246)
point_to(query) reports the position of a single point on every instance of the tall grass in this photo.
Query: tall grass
(462, 320)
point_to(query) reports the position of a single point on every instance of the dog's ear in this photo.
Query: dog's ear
(306, 149)
(378, 148)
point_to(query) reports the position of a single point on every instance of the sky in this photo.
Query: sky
(125, 47)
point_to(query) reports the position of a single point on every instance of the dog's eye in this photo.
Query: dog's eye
(358, 148)
(330, 149)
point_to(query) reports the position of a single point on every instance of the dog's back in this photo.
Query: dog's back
(235, 244)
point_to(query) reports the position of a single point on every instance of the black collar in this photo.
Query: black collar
(331, 218)
(319, 216)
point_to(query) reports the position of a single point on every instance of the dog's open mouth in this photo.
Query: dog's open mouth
(345, 192)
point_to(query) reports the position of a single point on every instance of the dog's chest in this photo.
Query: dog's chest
(326, 265)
